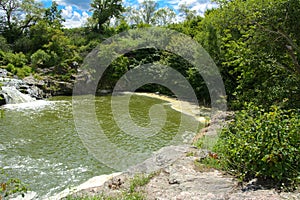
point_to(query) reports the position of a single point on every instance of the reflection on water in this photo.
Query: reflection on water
(39, 143)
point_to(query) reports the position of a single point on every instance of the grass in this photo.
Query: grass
(208, 164)
(132, 193)
(140, 180)
(123, 196)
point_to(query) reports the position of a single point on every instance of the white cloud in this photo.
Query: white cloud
(67, 12)
(74, 18)
(80, 4)
(200, 6)
(85, 15)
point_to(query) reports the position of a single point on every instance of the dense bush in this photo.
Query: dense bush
(11, 68)
(263, 144)
(17, 59)
(24, 71)
(40, 58)
(3, 44)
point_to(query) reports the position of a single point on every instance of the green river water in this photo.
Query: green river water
(40, 145)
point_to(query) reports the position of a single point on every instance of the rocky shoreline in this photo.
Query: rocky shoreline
(176, 178)
(38, 87)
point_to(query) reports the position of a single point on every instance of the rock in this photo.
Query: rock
(84, 83)
(162, 158)
(177, 178)
(52, 87)
(27, 87)
(64, 88)
(44, 70)
(3, 73)
(104, 92)
(92, 183)
(27, 196)
(13, 96)
(30, 80)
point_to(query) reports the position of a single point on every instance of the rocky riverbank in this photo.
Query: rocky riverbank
(176, 177)
(16, 90)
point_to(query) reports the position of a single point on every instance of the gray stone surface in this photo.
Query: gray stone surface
(27, 88)
(160, 159)
(177, 178)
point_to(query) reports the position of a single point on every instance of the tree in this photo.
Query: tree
(144, 13)
(53, 16)
(104, 10)
(17, 16)
(259, 50)
(147, 13)
(164, 16)
(147, 10)
(188, 13)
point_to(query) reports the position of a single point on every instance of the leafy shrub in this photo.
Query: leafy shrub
(40, 58)
(11, 68)
(24, 71)
(3, 44)
(263, 144)
(17, 59)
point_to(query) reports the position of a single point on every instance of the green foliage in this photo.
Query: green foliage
(40, 58)
(16, 59)
(239, 35)
(208, 164)
(10, 186)
(12, 25)
(103, 11)
(11, 68)
(123, 26)
(3, 44)
(24, 71)
(53, 16)
(263, 144)
(148, 13)
(123, 196)
(138, 181)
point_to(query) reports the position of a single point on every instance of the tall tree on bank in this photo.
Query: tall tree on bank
(104, 10)
(16, 17)
(186, 12)
(147, 13)
(148, 9)
(53, 16)
(258, 46)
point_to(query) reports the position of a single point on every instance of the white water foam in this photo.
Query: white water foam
(14, 96)
(32, 105)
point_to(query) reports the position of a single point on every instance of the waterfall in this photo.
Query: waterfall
(14, 96)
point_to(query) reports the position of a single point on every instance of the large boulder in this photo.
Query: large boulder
(21, 85)
(13, 86)
(52, 87)
(3, 72)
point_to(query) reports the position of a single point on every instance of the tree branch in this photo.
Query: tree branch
(291, 48)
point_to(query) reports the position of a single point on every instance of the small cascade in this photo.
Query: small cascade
(14, 96)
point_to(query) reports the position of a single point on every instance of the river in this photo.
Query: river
(39, 143)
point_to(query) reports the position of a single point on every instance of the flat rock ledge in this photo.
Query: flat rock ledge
(177, 178)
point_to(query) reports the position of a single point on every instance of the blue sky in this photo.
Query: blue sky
(76, 12)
